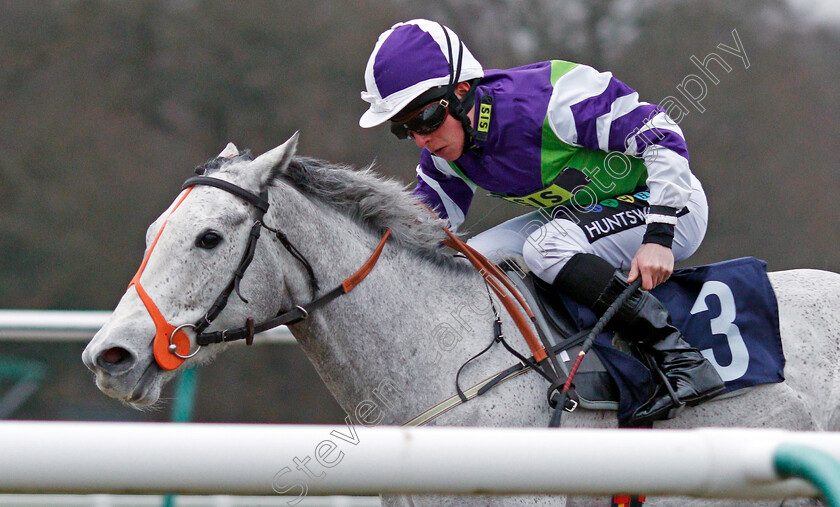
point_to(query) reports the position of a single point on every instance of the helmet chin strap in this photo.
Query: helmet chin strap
(462, 109)
(459, 108)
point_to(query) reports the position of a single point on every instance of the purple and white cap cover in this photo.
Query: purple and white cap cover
(409, 59)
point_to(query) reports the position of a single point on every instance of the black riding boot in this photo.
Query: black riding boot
(643, 320)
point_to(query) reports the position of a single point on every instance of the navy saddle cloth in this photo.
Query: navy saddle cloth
(727, 310)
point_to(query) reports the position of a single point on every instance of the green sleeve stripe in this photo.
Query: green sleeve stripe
(554, 151)
(458, 170)
(559, 68)
(554, 154)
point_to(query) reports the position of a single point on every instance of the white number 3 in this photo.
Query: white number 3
(724, 324)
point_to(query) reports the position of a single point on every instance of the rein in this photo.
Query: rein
(561, 393)
(494, 278)
(171, 345)
(546, 364)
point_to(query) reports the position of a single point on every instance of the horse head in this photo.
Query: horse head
(193, 251)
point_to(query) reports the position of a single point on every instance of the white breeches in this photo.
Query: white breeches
(613, 230)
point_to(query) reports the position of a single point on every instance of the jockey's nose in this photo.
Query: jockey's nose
(113, 361)
(420, 139)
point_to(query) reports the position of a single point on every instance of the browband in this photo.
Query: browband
(258, 201)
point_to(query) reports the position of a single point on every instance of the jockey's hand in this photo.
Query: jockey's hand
(654, 263)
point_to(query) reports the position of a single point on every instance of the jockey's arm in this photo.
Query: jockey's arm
(442, 190)
(638, 129)
(661, 145)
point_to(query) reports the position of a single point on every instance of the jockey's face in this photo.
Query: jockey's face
(447, 141)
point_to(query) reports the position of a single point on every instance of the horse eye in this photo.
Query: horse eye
(208, 240)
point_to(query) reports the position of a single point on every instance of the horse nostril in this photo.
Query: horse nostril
(115, 359)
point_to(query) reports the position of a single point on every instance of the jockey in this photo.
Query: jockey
(608, 175)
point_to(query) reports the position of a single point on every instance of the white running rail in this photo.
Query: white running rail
(67, 325)
(191, 459)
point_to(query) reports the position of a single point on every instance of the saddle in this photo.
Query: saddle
(595, 387)
(746, 351)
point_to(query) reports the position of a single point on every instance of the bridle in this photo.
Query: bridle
(171, 345)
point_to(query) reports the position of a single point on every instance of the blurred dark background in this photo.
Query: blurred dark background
(106, 106)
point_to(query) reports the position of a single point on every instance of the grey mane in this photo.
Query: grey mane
(373, 201)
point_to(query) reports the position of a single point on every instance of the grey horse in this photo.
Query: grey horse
(416, 318)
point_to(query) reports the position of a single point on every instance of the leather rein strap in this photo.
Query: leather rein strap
(496, 280)
(547, 363)
(178, 350)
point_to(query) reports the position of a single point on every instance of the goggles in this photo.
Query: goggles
(423, 121)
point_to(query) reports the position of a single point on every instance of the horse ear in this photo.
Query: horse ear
(273, 163)
(230, 151)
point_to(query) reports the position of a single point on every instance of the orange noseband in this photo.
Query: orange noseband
(166, 358)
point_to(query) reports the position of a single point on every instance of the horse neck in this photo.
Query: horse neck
(404, 329)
